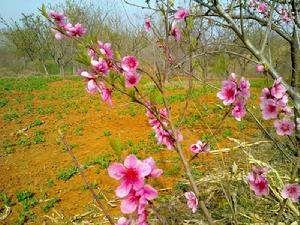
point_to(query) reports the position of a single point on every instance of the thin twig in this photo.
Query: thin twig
(95, 196)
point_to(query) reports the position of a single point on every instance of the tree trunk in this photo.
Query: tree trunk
(45, 68)
(61, 70)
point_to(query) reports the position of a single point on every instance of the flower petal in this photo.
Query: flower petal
(116, 171)
(131, 161)
(123, 190)
(128, 205)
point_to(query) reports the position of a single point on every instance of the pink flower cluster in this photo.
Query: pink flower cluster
(180, 15)
(284, 15)
(260, 68)
(129, 65)
(199, 147)
(291, 191)
(64, 28)
(93, 87)
(260, 7)
(134, 192)
(273, 102)
(234, 93)
(159, 125)
(101, 67)
(192, 200)
(147, 24)
(258, 183)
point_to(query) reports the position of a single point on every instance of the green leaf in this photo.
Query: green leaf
(44, 11)
(189, 21)
(193, 43)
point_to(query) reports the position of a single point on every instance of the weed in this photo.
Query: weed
(23, 141)
(24, 216)
(10, 116)
(132, 111)
(242, 125)
(180, 186)
(67, 174)
(26, 199)
(106, 133)
(38, 138)
(176, 98)
(50, 204)
(18, 99)
(191, 120)
(45, 111)
(35, 123)
(3, 102)
(6, 199)
(50, 183)
(227, 132)
(23, 195)
(80, 131)
(103, 160)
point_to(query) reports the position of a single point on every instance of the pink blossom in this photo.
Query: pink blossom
(57, 34)
(164, 113)
(258, 184)
(260, 171)
(175, 31)
(278, 90)
(123, 221)
(132, 79)
(106, 93)
(228, 92)
(232, 77)
(262, 7)
(105, 49)
(57, 16)
(147, 24)
(181, 14)
(284, 126)
(131, 174)
(284, 15)
(131, 202)
(291, 191)
(155, 172)
(266, 93)
(244, 88)
(77, 31)
(91, 53)
(142, 218)
(68, 28)
(129, 63)
(92, 86)
(269, 109)
(100, 65)
(239, 110)
(199, 147)
(192, 200)
(260, 68)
